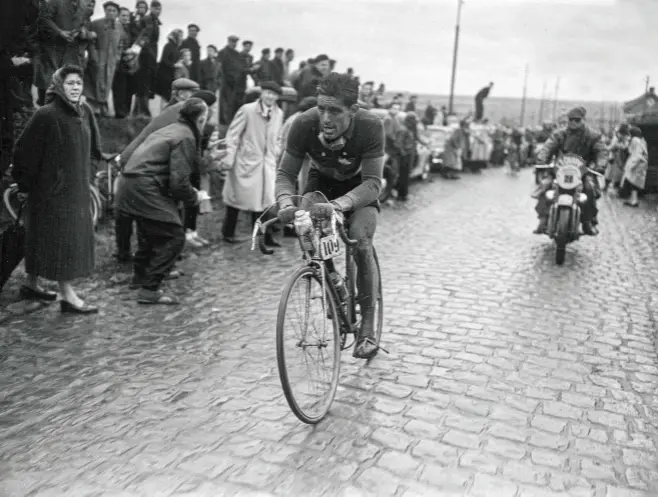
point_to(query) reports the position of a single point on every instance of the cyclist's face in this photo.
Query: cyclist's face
(335, 116)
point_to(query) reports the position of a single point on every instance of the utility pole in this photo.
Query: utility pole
(541, 103)
(557, 89)
(525, 92)
(454, 56)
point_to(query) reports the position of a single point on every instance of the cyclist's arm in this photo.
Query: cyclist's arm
(372, 169)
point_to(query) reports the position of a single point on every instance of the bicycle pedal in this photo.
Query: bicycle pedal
(379, 347)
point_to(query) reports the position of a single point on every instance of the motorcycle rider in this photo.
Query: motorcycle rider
(580, 139)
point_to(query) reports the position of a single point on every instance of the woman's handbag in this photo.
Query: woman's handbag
(12, 249)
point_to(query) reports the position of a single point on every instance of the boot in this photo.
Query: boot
(366, 347)
(542, 226)
(589, 229)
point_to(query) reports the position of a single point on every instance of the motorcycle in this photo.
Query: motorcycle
(562, 184)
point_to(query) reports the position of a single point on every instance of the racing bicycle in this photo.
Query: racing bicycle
(314, 323)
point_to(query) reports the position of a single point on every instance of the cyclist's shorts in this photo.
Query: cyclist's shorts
(332, 188)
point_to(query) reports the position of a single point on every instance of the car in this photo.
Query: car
(437, 137)
(421, 168)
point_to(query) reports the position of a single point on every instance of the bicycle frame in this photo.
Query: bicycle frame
(348, 311)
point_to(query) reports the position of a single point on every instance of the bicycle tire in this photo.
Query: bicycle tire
(7, 195)
(302, 272)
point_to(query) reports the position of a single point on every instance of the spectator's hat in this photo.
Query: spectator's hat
(272, 86)
(624, 129)
(246, 42)
(233, 38)
(320, 58)
(184, 84)
(207, 96)
(194, 26)
(278, 50)
(265, 51)
(577, 113)
(111, 4)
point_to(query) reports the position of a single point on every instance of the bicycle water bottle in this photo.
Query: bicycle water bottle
(304, 229)
(339, 284)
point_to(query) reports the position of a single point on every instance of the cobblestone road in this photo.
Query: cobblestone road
(508, 376)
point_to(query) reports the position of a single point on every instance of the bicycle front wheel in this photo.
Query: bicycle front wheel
(308, 345)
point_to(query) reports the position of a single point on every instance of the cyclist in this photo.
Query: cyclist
(346, 147)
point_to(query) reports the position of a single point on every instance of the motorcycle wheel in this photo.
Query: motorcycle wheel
(562, 235)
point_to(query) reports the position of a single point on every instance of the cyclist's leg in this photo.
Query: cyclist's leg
(362, 227)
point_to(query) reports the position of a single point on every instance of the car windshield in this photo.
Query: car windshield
(438, 137)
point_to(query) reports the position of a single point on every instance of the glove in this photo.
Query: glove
(321, 211)
(287, 214)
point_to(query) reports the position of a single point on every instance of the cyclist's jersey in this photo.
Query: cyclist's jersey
(364, 140)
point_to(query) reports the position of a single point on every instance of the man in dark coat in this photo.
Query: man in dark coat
(234, 80)
(193, 46)
(123, 224)
(262, 70)
(278, 67)
(411, 104)
(479, 101)
(148, 58)
(18, 20)
(310, 77)
(155, 180)
(209, 70)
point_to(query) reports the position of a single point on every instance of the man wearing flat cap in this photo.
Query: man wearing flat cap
(192, 45)
(234, 80)
(307, 85)
(580, 139)
(252, 146)
(104, 57)
(262, 70)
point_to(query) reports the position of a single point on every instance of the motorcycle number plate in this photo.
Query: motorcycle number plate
(330, 247)
(568, 177)
(565, 200)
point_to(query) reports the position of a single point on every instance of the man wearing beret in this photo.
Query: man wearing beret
(104, 57)
(192, 45)
(261, 70)
(252, 146)
(580, 139)
(147, 39)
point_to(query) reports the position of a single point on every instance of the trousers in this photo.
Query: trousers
(159, 244)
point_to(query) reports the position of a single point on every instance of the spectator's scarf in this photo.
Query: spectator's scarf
(56, 89)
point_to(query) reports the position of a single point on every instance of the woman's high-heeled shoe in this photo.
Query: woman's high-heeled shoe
(67, 307)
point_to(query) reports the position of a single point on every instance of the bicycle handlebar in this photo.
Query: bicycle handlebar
(261, 228)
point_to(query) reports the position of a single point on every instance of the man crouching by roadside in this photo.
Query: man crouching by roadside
(155, 180)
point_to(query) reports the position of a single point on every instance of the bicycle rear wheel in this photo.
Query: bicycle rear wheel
(308, 346)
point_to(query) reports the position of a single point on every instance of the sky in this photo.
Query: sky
(599, 49)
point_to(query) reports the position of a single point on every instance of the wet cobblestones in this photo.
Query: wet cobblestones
(508, 376)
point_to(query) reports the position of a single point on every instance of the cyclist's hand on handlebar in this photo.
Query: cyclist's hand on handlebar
(321, 211)
(287, 214)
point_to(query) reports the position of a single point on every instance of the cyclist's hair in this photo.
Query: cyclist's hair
(192, 109)
(340, 86)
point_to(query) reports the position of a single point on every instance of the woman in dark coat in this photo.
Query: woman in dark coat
(169, 58)
(52, 166)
